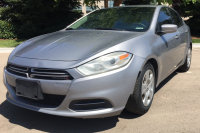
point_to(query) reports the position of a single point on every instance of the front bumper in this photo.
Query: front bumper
(114, 86)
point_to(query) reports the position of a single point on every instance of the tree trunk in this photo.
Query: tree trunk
(105, 3)
(117, 2)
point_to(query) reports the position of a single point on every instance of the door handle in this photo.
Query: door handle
(186, 31)
(177, 36)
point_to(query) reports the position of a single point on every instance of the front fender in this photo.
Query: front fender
(150, 58)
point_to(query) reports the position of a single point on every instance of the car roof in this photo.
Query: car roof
(139, 6)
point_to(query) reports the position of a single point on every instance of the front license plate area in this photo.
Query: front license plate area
(29, 89)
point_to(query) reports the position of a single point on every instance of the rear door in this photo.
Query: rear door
(179, 48)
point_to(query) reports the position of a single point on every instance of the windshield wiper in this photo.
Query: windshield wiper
(100, 28)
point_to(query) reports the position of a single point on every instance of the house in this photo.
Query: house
(85, 9)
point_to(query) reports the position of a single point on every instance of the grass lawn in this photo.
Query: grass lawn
(10, 43)
(14, 43)
(195, 40)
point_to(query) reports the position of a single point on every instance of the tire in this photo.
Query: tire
(185, 67)
(135, 102)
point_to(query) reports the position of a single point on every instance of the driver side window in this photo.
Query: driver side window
(176, 18)
(163, 18)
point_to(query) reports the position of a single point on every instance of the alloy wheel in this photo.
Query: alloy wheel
(189, 56)
(147, 87)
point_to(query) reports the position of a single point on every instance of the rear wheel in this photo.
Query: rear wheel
(186, 66)
(140, 101)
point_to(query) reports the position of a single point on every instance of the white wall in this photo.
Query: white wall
(100, 5)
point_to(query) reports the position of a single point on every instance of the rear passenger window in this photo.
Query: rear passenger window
(177, 20)
(163, 18)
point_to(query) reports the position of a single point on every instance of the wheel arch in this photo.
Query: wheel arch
(155, 63)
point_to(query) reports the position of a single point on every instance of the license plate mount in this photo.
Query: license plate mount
(29, 89)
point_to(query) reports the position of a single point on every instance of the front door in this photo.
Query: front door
(168, 41)
(180, 47)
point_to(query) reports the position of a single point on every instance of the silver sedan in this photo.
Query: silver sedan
(106, 61)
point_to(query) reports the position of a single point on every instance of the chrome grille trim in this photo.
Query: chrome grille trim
(54, 73)
(17, 71)
(62, 76)
(15, 68)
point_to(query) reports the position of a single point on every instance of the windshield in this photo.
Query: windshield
(124, 18)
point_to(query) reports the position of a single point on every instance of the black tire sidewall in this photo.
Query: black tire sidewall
(145, 68)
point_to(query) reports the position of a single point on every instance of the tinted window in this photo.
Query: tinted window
(176, 18)
(123, 18)
(163, 18)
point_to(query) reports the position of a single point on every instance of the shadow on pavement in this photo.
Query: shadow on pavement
(49, 123)
(166, 81)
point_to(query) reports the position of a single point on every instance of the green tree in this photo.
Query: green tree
(2, 3)
(192, 10)
(30, 18)
(93, 3)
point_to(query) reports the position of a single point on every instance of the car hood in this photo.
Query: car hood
(71, 45)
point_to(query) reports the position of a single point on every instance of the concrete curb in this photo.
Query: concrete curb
(196, 45)
(9, 50)
(6, 50)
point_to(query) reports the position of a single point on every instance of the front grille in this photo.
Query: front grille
(49, 101)
(16, 70)
(39, 73)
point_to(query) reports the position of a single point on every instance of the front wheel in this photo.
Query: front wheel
(140, 101)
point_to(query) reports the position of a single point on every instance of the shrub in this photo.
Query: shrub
(7, 30)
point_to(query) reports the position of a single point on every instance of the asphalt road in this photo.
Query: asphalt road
(175, 108)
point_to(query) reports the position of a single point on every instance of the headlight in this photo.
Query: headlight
(105, 63)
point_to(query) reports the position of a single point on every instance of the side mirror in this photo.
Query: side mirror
(168, 28)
